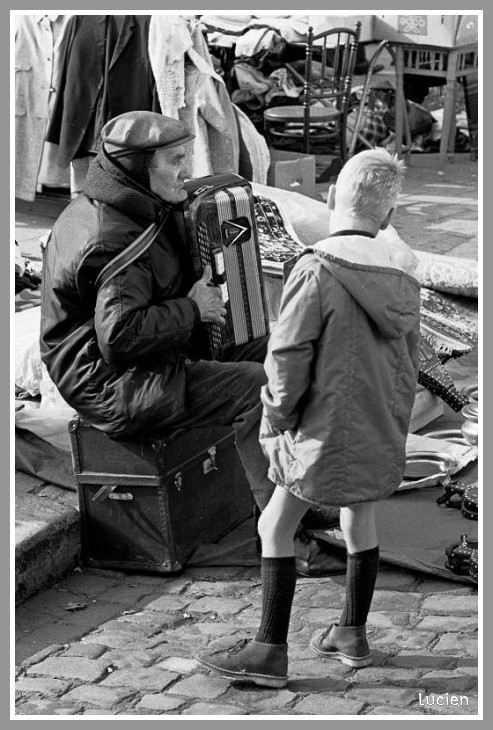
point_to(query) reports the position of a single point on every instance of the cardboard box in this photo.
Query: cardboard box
(443, 31)
(293, 171)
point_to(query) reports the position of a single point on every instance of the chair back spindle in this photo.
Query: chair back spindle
(330, 58)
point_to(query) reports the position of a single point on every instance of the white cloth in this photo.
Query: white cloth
(256, 40)
(284, 85)
(38, 44)
(209, 115)
(28, 372)
(234, 24)
(256, 145)
(169, 40)
(293, 28)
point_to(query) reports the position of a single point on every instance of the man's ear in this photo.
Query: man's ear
(386, 221)
(331, 197)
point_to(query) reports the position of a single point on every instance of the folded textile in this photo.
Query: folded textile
(449, 323)
(284, 85)
(48, 423)
(449, 274)
(43, 460)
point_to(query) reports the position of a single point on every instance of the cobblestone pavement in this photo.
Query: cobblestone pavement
(128, 644)
(132, 648)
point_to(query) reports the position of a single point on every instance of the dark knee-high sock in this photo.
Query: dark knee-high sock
(278, 584)
(361, 575)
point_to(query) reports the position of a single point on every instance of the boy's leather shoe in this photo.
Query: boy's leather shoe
(348, 644)
(251, 661)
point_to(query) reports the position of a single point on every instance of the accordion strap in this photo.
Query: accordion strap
(131, 253)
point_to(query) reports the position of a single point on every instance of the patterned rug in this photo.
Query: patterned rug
(449, 322)
(275, 243)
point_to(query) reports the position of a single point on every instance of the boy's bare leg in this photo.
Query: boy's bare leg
(278, 522)
(358, 526)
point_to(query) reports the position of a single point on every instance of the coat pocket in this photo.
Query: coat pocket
(279, 448)
(22, 82)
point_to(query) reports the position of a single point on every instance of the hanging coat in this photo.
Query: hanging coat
(39, 43)
(106, 72)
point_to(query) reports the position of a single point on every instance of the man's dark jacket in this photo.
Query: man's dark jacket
(117, 355)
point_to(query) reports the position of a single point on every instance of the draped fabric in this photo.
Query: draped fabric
(254, 152)
(169, 40)
(189, 89)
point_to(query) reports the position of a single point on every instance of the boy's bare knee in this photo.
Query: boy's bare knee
(265, 528)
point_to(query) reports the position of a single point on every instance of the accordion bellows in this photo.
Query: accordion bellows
(218, 222)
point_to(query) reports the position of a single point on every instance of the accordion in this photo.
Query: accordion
(217, 222)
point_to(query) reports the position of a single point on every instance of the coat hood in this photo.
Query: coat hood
(389, 296)
(109, 183)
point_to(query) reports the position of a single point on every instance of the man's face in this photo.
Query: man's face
(168, 171)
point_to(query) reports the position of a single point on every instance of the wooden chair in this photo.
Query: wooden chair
(331, 87)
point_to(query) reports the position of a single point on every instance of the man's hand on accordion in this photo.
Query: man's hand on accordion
(208, 299)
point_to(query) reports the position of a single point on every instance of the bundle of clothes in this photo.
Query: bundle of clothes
(27, 273)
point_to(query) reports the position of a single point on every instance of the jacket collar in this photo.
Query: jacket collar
(110, 184)
(39, 18)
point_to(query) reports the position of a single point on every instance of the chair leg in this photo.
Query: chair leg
(407, 128)
(448, 134)
(343, 143)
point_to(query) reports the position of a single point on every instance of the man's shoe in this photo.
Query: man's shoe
(251, 661)
(348, 644)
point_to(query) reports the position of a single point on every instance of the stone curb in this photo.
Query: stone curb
(47, 543)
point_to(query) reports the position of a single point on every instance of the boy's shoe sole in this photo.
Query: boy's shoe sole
(351, 661)
(261, 679)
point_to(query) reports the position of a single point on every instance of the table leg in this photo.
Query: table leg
(448, 134)
(399, 98)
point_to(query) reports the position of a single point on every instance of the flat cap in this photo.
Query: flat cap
(141, 130)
